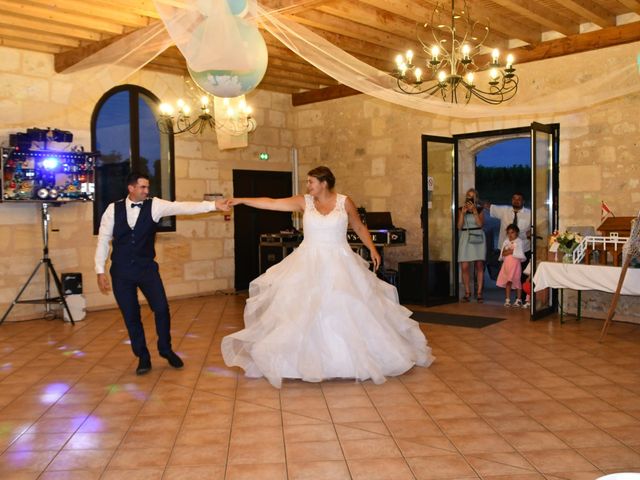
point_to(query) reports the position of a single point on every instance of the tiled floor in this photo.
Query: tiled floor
(517, 400)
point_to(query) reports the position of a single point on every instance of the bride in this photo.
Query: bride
(321, 313)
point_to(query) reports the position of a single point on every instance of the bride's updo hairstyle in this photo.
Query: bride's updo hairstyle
(323, 174)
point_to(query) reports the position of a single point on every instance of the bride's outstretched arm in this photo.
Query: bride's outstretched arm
(290, 204)
(357, 226)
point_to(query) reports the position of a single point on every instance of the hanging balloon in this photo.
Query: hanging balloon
(232, 83)
(239, 8)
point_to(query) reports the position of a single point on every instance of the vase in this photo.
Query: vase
(567, 256)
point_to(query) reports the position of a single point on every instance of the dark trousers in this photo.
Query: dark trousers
(125, 284)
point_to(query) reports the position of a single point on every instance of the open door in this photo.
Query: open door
(439, 204)
(544, 206)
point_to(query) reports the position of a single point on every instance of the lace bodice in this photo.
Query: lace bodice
(330, 228)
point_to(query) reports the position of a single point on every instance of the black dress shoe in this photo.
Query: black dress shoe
(144, 366)
(174, 360)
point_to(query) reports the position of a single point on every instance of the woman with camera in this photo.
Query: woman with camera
(472, 243)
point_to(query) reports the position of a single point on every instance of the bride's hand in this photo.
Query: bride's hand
(375, 258)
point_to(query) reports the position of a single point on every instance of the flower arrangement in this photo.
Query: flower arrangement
(566, 240)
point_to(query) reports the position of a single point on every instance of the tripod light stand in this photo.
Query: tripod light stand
(49, 273)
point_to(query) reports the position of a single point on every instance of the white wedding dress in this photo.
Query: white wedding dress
(321, 313)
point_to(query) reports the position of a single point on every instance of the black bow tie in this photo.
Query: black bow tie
(139, 205)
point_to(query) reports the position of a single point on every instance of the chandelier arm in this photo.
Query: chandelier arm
(496, 97)
(508, 88)
(418, 90)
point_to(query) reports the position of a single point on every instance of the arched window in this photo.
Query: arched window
(123, 130)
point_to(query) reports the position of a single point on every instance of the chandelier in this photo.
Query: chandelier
(233, 118)
(451, 64)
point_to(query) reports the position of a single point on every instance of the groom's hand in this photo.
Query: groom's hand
(103, 283)
(223, 204)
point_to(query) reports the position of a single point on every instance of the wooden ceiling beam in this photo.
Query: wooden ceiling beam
(290, 82)
(603, 38)
(291, 7)
(68, 58)
(330, 23)
(422, 14)
(121, 16)
(329, 93)
(29, 45)
(173, 57)
(372, 17)
(591, 12)
(145, 8)
(497, 21)
(632, 5)
(277, 88)
(28, 10)
(361, 47)
(52, 39)
(156, 67)
(80, 33)
(306, 69)
(537, 13)
(279, 73)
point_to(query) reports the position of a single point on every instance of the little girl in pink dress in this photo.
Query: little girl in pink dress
(511, 255)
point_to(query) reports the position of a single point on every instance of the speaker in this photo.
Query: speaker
(414, 288)
(272, 254)
(71, 283)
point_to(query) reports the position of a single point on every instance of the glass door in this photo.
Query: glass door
(439, 247)
(544, 206)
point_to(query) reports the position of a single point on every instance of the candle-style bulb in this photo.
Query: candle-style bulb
(409, 55)
(442, 76)
(166, 109)
(435, 52)
(204, 100)
(466, 50)
(509, 61)
(470, 78)
(495, 54)
(399, 60)
(493, 73)
(418, 74)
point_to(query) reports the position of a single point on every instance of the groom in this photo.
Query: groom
(130, 225)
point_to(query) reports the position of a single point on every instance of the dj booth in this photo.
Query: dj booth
(274, 247)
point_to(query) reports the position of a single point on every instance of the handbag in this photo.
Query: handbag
(476, 237)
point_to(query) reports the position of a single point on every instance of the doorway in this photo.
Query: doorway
(502, 166)
(458, 172)
(249, 223)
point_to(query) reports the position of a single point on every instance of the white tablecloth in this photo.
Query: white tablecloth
(585, 277)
